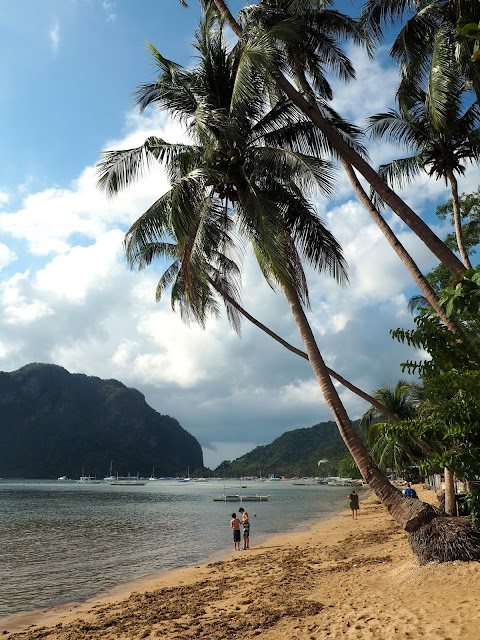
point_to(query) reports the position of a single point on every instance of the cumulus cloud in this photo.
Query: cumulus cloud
(6, 256)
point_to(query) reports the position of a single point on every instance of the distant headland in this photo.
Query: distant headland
(57, 423)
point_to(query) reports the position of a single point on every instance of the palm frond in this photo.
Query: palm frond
(401, 172)
(118, 169)
(307, 172)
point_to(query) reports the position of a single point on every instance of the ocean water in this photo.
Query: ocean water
(61, 541)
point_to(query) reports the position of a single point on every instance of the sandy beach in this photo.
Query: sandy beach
(340, 579)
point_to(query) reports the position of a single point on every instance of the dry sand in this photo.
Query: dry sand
(341, 579)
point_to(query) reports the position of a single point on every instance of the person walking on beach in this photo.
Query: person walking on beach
(235, 525)
(246, 528)
(409, 492)
(354, 506)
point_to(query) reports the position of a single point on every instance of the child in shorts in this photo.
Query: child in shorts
(246, 529)
(235, 525)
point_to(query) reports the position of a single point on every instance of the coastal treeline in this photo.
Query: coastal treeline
(314, 451)
(264, 139)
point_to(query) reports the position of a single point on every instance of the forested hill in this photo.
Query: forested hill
(56, 423)
(295, 452)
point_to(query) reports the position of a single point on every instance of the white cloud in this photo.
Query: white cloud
(6, 256)
(109, 8)
(82, 270)
(19, 308)
(54, 35)
(48, 220)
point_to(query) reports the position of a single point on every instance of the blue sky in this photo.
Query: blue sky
(66, 295)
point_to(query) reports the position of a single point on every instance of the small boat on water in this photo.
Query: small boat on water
(340, 482)
(110, 476)
(128, 481)
(235, 497)
(187, 478)
(88, 480)
(62, 478)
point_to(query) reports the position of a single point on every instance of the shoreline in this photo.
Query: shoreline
(18, 622)
(338, 579)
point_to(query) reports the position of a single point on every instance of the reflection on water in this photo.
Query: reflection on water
(61, 541)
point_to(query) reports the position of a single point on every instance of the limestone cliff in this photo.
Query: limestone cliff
(56, 423)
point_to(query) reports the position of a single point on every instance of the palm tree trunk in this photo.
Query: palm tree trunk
(422, 230)
(402, 253)
(458, 220)
(403, 211)
(450, 501)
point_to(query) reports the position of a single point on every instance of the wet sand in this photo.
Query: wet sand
(340, 579)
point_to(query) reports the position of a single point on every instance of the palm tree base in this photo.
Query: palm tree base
(445, 539)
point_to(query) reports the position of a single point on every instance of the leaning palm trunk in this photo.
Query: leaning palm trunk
(432, 536)
(458, 220)
(402, 253)
(404, 212)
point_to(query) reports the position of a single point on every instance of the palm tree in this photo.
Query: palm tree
(427, 48)
(440, 145)
(389, 448)
(245, 176)
(262, 51)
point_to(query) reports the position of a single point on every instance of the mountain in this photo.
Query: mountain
(56, 423)
(296, 452)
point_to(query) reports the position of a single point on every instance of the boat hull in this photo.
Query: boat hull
(239, 498)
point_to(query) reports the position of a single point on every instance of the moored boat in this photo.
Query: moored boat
(88, 480)
(235, 497)
(128, 481)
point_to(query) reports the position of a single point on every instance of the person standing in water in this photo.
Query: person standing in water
(246, 528)
(353, 497)
(235, 525)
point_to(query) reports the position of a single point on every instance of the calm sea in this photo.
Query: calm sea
(61, 541)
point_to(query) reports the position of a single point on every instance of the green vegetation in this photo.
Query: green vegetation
(440, 431)
(56, 423)
(296, 453)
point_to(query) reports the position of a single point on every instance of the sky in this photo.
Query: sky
(67, 296)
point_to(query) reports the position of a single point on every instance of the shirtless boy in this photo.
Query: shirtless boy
(235, 525)
(246, 528)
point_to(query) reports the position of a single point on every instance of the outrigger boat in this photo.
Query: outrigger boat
(235, 497)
